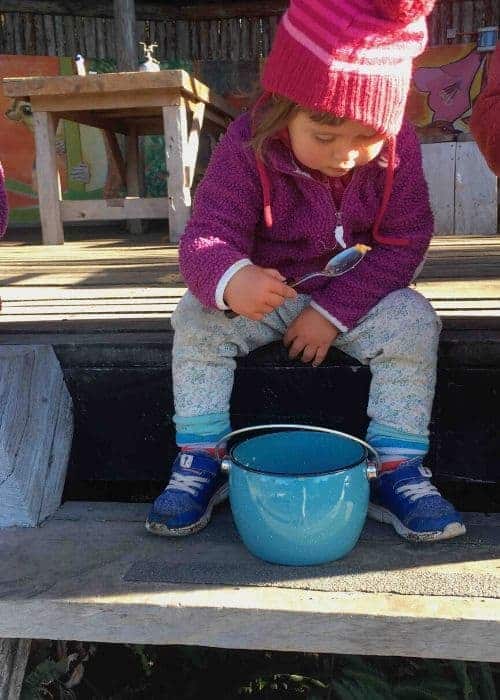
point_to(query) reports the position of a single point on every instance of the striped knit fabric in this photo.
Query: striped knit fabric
(351, 58)
(394, 446)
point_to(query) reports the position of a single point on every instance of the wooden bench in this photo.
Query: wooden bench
(92, 572)
(133, 104)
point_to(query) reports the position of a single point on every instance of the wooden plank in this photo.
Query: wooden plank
(149, 10)
(14, 655)
(50, 36)
(140, 33)
(79, 36)
(245, 39)
(40, 43)
(89, 30)
(44, 285)
(225, 39)
(17, 19)
(438, 161)
(69, 34)
(266, 37)
(234, 35)
(378, 593)
(35, 435)
(179, 195)
(49, 186)
(123, 100)
(165, 50)
(183, 44)
(214, 39)
(109, 28)
(476, 199)
(204, 37)
(60, 36)
(96, 85)
(8, 34)
(126, 47)
(102, 50)
(152, 33)
(255, 49)
(115, 209)
(29, 35)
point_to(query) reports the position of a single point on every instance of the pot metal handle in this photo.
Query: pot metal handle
(371, 471)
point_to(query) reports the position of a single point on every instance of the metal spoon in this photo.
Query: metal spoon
(336, 266)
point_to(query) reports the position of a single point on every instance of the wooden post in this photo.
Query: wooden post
(49, 184)
(178, 170)
(35, 434)
(134, 226)
(126, 40)
(13, 659)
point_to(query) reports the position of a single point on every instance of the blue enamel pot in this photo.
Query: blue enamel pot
(299, 494)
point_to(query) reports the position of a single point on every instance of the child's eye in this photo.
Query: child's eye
(324, 138)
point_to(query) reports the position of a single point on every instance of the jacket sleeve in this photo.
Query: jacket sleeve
(386, 267)
(4, 206)
(218, 238)
(485, 120)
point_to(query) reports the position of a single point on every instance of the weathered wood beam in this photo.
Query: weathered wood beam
(148, 10)
(13, 658)
(126, 39)
(35, 435)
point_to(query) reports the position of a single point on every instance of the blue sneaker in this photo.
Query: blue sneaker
(406, 499)
(195, 487)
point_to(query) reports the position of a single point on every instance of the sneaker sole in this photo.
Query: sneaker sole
(382, 515)
(161, 529)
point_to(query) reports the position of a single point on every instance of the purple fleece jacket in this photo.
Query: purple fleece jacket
(227, 224)
(4, 207)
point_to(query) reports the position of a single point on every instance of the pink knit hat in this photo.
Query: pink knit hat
(351, 58)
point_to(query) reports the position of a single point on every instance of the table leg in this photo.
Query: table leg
(49, 183)
(133, 180)
(176, 152)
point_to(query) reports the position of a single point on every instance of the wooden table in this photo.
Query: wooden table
(169, 102)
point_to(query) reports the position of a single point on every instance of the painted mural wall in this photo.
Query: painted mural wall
(447, 80)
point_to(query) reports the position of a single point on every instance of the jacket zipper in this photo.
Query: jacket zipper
(339, 227)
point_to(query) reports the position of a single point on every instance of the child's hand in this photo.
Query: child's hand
(255, 291)
(310, 334)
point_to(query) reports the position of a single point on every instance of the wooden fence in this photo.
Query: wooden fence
(208, 37)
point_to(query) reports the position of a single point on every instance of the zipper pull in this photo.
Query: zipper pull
(339, 231)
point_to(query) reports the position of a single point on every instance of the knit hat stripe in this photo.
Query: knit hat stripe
(320, 30)
(366, 68)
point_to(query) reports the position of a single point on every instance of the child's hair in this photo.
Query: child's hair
(273, 115)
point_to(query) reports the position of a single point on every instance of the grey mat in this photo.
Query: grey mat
(380, 563)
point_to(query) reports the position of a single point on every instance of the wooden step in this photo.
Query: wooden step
(94, 573)
(114, 283)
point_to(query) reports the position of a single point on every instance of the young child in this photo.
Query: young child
(320, 164)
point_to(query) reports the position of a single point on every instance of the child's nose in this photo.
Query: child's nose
(346, 155)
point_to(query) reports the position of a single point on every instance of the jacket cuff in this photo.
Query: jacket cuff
(338, 324)
(224, 280)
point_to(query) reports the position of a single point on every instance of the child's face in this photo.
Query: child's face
(333, 150)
